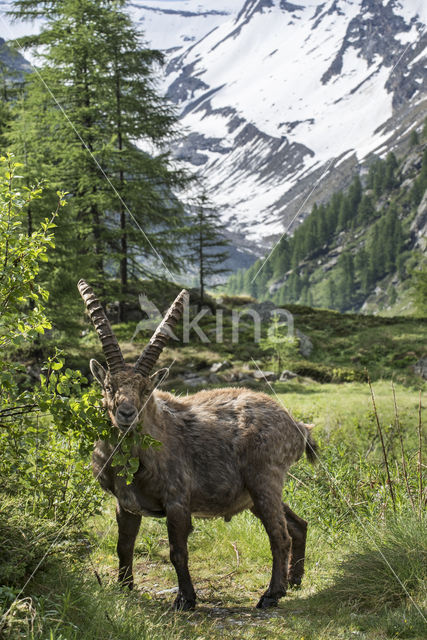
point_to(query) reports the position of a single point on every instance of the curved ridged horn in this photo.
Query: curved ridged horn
(152, 351)
(110, 346)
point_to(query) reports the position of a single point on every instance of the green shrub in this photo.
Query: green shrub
(236, 300)
(325, 373)
(26, 540)
(45, 431)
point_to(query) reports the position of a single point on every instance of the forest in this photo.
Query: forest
(89, 188)
(368, 227)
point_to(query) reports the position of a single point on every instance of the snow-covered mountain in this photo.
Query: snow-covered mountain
(177, 24)
(280, 95)
(281, 101)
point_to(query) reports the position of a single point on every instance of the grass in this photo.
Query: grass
(70, 604)
(348, 591)
(345, 346)
(343, 412)
(366, 577)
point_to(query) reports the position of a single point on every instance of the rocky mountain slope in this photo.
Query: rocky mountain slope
(282, 102)
(11, 61)
(365, 250)
(284, 95)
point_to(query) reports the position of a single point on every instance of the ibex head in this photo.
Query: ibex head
(127, 388)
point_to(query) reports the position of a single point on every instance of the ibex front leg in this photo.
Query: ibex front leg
(128, 524)
(179, 528)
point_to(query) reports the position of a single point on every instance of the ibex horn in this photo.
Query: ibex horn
(110, 346)
(152, 351)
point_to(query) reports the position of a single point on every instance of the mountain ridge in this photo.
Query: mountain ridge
(277, 211)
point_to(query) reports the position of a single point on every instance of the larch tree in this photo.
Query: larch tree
(208, 245)
(102, 129)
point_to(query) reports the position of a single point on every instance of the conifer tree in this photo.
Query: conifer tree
(414, 138)
(322, 228)
(419, 289)
(208, 245)
(390, 181)
(331, 294)
(92, 99)
(355, 195)
(344, 215)
(365, 210)
(281, 258)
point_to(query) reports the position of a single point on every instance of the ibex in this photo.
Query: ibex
(222, 451)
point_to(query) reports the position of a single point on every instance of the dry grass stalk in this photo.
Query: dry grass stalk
(402, 449)
(380, 432)
(420, 461)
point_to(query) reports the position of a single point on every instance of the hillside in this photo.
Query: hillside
(266, 129)
(356, 252)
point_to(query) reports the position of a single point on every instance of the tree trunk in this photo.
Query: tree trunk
(123, 234)
(123, 263)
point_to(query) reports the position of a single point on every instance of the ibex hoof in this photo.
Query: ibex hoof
(126, 583)
(266, 602)
(182, 604)
(295, 583)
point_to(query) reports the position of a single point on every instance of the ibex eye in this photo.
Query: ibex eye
(108, 388)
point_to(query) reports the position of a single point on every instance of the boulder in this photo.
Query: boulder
(305, 344)
(287, 375)
(420, 368)
(263, 309)
(196, 381)
(268, 376)
(220, 366)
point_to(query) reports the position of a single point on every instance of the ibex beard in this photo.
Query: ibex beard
(222, 451)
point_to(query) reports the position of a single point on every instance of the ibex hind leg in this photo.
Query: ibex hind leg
(297, 528)
(128, 524)
(179, 528)
(268, 508)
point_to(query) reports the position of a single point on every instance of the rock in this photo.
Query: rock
(328, 265)
(407, 184)
(268, 376)
(220, 366)
(305, 344)
(165, 591)
(412, 163)
(196, 381)
(419, 225)
(287, 375)
(214, 379)
(237, 376)
(420, 368)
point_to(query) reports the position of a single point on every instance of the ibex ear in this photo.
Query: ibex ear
(160, 376)
(98, 371)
